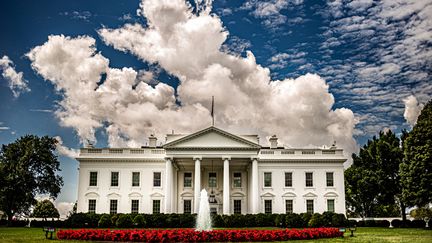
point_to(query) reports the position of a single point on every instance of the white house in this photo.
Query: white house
(240, 175)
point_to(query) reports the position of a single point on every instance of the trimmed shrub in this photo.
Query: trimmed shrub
(139, 221)
(418, 223)
(124, 221)
(218, 221)
(396, 223)
(339, 220)
(305, 217)
(317, 220)
(104, 221)
(114, 218)
(293, 220)
(280, 220)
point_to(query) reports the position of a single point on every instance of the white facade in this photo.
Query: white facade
(243, 176)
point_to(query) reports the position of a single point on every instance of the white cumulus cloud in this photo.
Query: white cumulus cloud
(16, 82)
(188, 45)
(412, 109)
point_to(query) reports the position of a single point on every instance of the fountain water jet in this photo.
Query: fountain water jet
(203, 219)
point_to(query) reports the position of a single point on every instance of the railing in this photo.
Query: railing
(122, 151)
(300, 152)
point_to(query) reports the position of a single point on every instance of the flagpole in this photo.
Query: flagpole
(212, 111)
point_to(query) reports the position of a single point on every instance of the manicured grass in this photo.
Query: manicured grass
(381, 235)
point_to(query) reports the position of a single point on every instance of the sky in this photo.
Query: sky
(111, 73)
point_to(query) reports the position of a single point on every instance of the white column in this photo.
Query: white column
(255, 195)
(226, 187)
(197, 183)
(168, 184)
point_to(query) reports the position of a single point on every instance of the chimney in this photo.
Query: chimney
(273, 142)
(152, 141)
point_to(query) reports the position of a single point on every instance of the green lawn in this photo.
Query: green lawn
(381, 235)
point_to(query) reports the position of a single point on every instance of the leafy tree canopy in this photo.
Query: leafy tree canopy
(28, 167)
(372, 182)
(416, 169)
(45, 209)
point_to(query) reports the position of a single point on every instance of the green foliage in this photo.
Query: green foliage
(139, 221)
(372, 183)
(421, 213)
(416, 169)
(294, 220)
(280, 220)
(28, 167)
(316, 221)
(124, 221)
(104, 221)
(45, 209)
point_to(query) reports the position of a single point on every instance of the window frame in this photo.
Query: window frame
(215, 180)
(118, 179)
(312, 179)
(285, 177)
(313, 205)
(286, 206)
(264, 179)
(111, 206)
(153, 206)
(332, 178)
(236, 179)
(90, 178)
(132, 206)
(334, 205)
(139, 178)
(270, 203)
(88, 206)
(184, 179)
(237, 206)
(154, 179)
(189, 211)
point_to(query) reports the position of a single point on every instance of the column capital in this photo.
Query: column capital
(197, 158)
(254, 158)
(168, 158)
(226, 157)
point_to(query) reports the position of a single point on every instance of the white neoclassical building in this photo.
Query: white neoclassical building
(240, 175)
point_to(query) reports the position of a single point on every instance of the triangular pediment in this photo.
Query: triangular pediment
(212, 138)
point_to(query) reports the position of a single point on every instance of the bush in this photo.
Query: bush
(83, 220)
(114, 218)
(339, 220)
(280, 220)
(305, 217)
(217, 221)
(139, 221)
(293, 220)
(317, 220)
(124, 221)
(104, 221)
(396, 223)
(418, 223)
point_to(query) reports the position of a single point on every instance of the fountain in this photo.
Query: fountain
(203, 219)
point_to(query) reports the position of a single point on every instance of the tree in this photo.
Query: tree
(45, 209)
(416, 169)
(372, 183)
(28, 167)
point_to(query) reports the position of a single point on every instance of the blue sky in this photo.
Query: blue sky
(372, 55)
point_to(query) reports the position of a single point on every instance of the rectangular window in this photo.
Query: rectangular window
(135, 179)
(114, 178)
(309, 206)
(267, 179)
(331, 205)
(237, 179)
(309, 179)
(237, 206)
(187, 179)
(156, 206)
(288, 179)
(212, 179)
(289, 206)
(329, 176)
(93, 178)
(134, 206)
(213, 211)
(113, 206)
(268, 206)
(156, 179)
(92, 206)
(187, 206)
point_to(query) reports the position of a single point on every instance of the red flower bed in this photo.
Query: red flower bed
(190, 235)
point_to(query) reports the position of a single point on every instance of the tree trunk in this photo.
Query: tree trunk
(9, 222)
(402, 205)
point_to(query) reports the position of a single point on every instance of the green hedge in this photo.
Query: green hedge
(91, 220)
